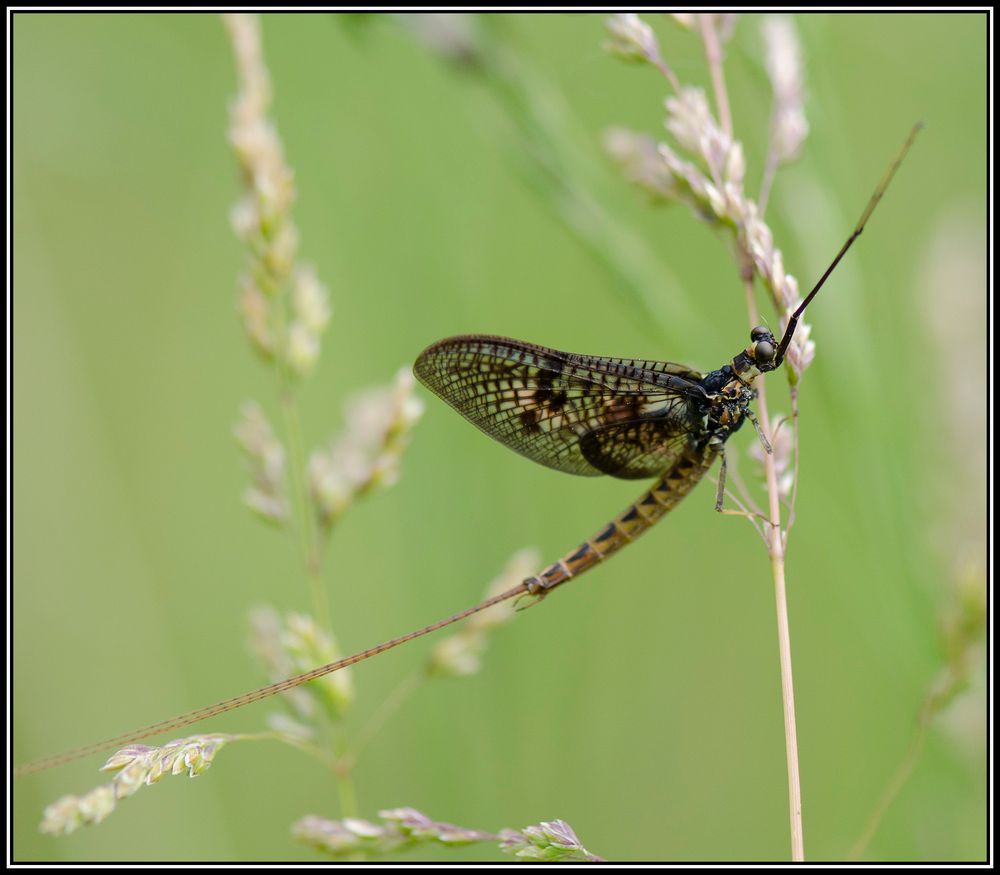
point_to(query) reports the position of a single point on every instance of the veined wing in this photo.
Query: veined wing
(580, 414)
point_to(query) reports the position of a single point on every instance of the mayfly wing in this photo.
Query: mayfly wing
(637, 449)
(554, 407)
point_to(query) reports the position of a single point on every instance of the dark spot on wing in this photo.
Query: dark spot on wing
(556, 400)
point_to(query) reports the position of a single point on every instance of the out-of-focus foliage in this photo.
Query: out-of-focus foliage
(642, 704)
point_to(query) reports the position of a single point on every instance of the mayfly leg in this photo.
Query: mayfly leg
(660, 498)
(720, 492)
(765, 443)
(720, 495)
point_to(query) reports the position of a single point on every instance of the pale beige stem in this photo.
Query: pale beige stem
(713, 54)
(770, 167)
(787, 693)
(777, 553)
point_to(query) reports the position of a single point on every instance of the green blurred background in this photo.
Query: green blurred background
(641, 705)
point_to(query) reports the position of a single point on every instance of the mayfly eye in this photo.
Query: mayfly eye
(759, 333)
(764, 351)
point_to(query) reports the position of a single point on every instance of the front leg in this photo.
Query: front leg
(720, 495)
(760, 432)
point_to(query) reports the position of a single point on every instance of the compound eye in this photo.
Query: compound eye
(759, 333)
(763, 352)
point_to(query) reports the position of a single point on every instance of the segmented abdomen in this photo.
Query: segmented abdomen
(662, 496)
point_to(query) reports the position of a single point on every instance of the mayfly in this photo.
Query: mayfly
(582, 414)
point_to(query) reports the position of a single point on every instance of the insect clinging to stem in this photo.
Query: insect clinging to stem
(587, 415)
